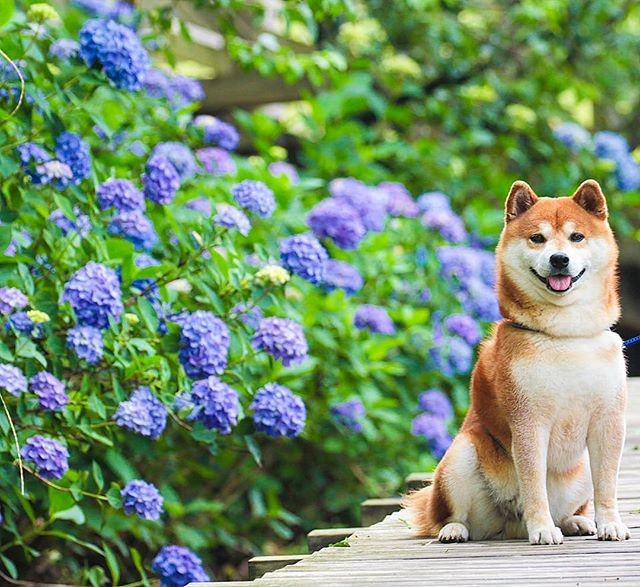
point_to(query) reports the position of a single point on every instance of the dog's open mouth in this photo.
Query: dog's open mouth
(558, 283)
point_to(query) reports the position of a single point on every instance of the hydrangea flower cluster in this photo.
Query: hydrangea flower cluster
(120, 194)
(399, 200)
(11, 299)
(216, 161)
(74, 152)
(30, 156)
(80, 226)
(217, 132)
(231, 217)
(143, 413)
(201, 205)
(282, 338)
(369, 203)
(177, 566)
(86, 342)
(283, 168)
(179, 155)
(350, 414)
(134, 226)
(54, 172)
(177, 89)
(438, 215)
(117, 50)
(50, 391)
(277, 411)
(12, 379)
(214, 403)
(434, 430)
(21, 322)
(251, 316)
(303, 255)
(94, 294)
(143, 499)
(272, 275)
(465, 327)
(337, 220)
(572, 135)
(204, 344)
(255, 196)
(436, 403)
(50, 457)
(64, 49)
(451, 355)
(341, 275)
(375, 318)
(161, 180)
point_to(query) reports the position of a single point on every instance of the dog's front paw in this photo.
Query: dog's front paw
(613, 531)
(454, 532)
(549, 534)
(578, 526)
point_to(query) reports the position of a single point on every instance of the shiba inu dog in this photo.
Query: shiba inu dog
(545, 429)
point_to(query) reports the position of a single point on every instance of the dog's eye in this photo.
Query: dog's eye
(537, 238)
(576, 237)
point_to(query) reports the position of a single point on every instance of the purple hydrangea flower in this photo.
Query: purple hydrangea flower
(156, 83)
(282, 339)
(120, 194)
(250, 316)
(255, 196)
(12, 379)
(214, 403)
(216, 161)
(55, 172)
(161, 180)
(11, 299)
(337, 220)
(628, 174)
(64, 49)
(399, 200)
(432, 201)
(135, 227)
(369, 203)
(350, 413)
(31, 155)
(117, 49)
(303, 255)
(50, 457)
(277, 411)
(202, 205)
(464, 326)
(184, 90)
(143, 413)
(465, 263)
(143, 499)
(21, 322)
(50, 391)
(447, 223)
(73, 151)
(217, 132)
(204, 344)
(179, 155)
(572, 135)
(283, 168)
(610, 145)
(479, 300)
(177, 566)
(452, 356)
(86, 342)
(434, 431)
(80, 226)
(340, 275)
(436, 403)
(94, 294)
(375, 318)
(231, 217)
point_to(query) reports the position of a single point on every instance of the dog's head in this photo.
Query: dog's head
(557, 251)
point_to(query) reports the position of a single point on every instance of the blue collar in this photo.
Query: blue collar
(625, 343)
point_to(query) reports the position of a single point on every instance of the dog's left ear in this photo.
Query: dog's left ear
(590, 197)
(521, 197)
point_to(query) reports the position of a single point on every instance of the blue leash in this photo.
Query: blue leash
(625, 343)
(631, 341)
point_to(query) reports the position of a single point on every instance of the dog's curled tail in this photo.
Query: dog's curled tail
(419, 506)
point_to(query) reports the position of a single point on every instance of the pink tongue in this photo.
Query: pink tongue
(559, 282)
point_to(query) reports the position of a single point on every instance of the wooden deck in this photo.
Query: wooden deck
(388, 554)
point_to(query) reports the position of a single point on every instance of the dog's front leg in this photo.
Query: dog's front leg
(605, 440)
(530, 447)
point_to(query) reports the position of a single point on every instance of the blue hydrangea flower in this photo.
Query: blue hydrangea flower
(375, 318)
(185, 90)
(255, 196)
(447, 223)
(12, 379)
(50, 391)
(350, 414)
(217, 132)
(80, 226)
(337, 220)
(277, 411)
(214, 403)
(278, 168)
(32, 155)
(143, 499)
(55, 172)
(452, 356)
(143, 413)
(216, 161)
(303, 255)
(434, 431)
(231, 217)
(50, 457)
(202, 205)
(479, 300)
(64, 49)
(135, 227)
(431, 201)
(282, 339)
(86, 342)
(11, 299)
(464, 326)
(73, 151)
(464, 263)
(21, 322)
(156, 83)
(94, 294)
(250, 316)
(179, 155)
(177, 566)
(610, 145)
(572, 135)
(369, 203)
(436, 403)
(341, 275)
(161, 180)
(120, 194)
(204, 344)
(117, 49)
(399, 200)
(628, 174)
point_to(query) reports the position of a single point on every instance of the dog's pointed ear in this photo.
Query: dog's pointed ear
(521, 197)
(590, 197)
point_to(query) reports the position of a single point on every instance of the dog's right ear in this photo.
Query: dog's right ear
(521, 197)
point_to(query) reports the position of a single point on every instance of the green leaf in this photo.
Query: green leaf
(114, 496)
(5, 236)
(137, 561)
(59, 501)
(10, 566)
(97, 475)
(112, 563)
(7, 8)
(254, 449)
(73, 514)
(94, 403)
(5, 352)
(148, 314)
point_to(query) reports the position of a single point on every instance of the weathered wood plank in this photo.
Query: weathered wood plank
(259, 565)
(321, 538)
(374, 510)
(418, 480)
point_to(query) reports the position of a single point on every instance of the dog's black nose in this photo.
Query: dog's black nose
(559, 260)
